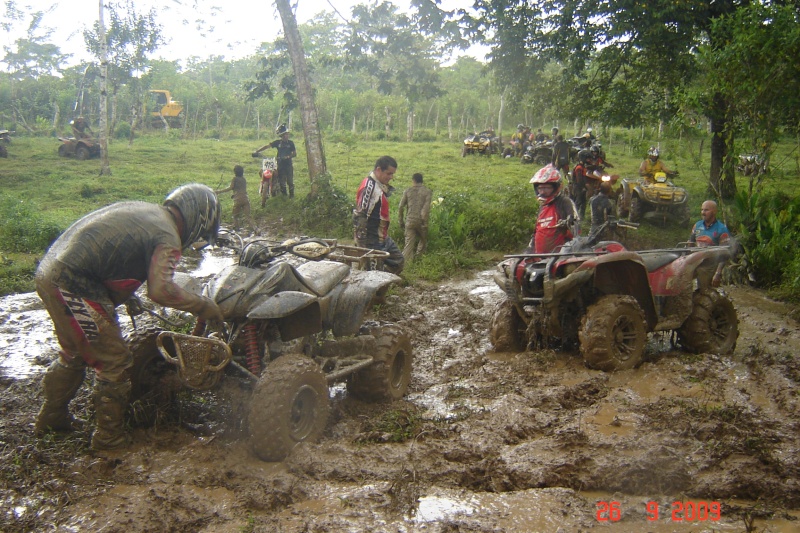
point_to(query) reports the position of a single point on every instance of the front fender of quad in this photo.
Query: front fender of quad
(344, 310)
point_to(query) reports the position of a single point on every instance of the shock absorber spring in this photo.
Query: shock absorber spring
(250, 336)
(199, 327)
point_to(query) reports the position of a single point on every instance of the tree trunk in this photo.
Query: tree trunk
(315, 155)
(449, 127)
(388, 122)
(410, 125)
(722, 181)
(105, 168)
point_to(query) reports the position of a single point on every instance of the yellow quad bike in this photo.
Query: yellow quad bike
(480, 144)
(655, 198)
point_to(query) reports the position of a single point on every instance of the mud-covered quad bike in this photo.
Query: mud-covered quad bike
(80, 149)
(606, 299)
(656, 198)
(480, 144)
(752, 164)
(5, 139)
(291, 330)
(539, 153)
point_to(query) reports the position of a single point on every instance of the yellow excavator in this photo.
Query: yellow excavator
(163, 108)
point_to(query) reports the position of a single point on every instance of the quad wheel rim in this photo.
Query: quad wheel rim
(625, 338)
(303, 415)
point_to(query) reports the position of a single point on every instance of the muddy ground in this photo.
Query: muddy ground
(484, 442)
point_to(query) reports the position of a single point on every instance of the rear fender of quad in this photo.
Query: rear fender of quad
(344, 309)
(296, 313)
(621, 273)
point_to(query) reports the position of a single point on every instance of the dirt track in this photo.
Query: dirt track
(484, 442)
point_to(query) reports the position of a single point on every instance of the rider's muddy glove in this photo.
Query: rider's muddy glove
(207, 309)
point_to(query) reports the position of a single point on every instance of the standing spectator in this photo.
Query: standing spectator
(93, 267)
(711, 232)
(241, 201)
(561, 150)
(286, 151)
(371, 215)
(417, 200)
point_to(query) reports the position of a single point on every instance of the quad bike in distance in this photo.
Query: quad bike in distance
(80, 149)
(482, 144)
(291, 330)
(655, 197)
(540, 153)
(5, 139)
(605, 300)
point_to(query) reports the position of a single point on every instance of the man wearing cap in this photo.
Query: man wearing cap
(286, 151)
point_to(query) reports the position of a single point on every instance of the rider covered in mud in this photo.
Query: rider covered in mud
(80, 127)
(371, 215)
(93, 267)
(241, 201)
(652, 164)
(556, 212)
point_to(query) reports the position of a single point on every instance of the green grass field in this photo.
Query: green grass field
(488, 208)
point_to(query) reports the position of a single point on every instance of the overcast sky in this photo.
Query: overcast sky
(201, 28)
(230, 28)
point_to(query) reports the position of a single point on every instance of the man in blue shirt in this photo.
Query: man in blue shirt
(711, 232)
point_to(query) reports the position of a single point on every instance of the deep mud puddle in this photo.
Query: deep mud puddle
(485, 441)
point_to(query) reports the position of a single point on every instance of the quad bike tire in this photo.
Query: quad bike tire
(542, 160)
(712, 327)
(62, 150)
(154, 381)
(613, 333)
(3, 151)
(82, 153)
(290, 405)
(507, 330)
(463, 151)
(637, 209)
(387, 379)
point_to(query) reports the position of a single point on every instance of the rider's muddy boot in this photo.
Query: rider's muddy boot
(60, 384)
(110, 403)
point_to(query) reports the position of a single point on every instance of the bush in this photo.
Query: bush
(769, 228)
(329, 211)
(123, 131)
(22, 229)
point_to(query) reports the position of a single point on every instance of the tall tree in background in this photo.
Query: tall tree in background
(130, 38)
(305, 93)
(599, 42)
(399, 58)
(105, 167)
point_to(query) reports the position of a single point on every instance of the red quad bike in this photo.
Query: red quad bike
(606, 299)
(294, 323)
(81, 149)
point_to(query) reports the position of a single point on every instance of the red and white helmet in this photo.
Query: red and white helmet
(547, 174)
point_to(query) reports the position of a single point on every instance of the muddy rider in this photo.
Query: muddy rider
(416, 205)
(79, 127)
(241, 201)
(371, 215)
(95, 266)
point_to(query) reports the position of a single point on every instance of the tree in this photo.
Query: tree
(130, 38)
(652, 41)
(397, 55)
(105, 167)
(305, 94)
(752, 65)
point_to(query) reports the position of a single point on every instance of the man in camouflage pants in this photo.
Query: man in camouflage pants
(417, 201)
